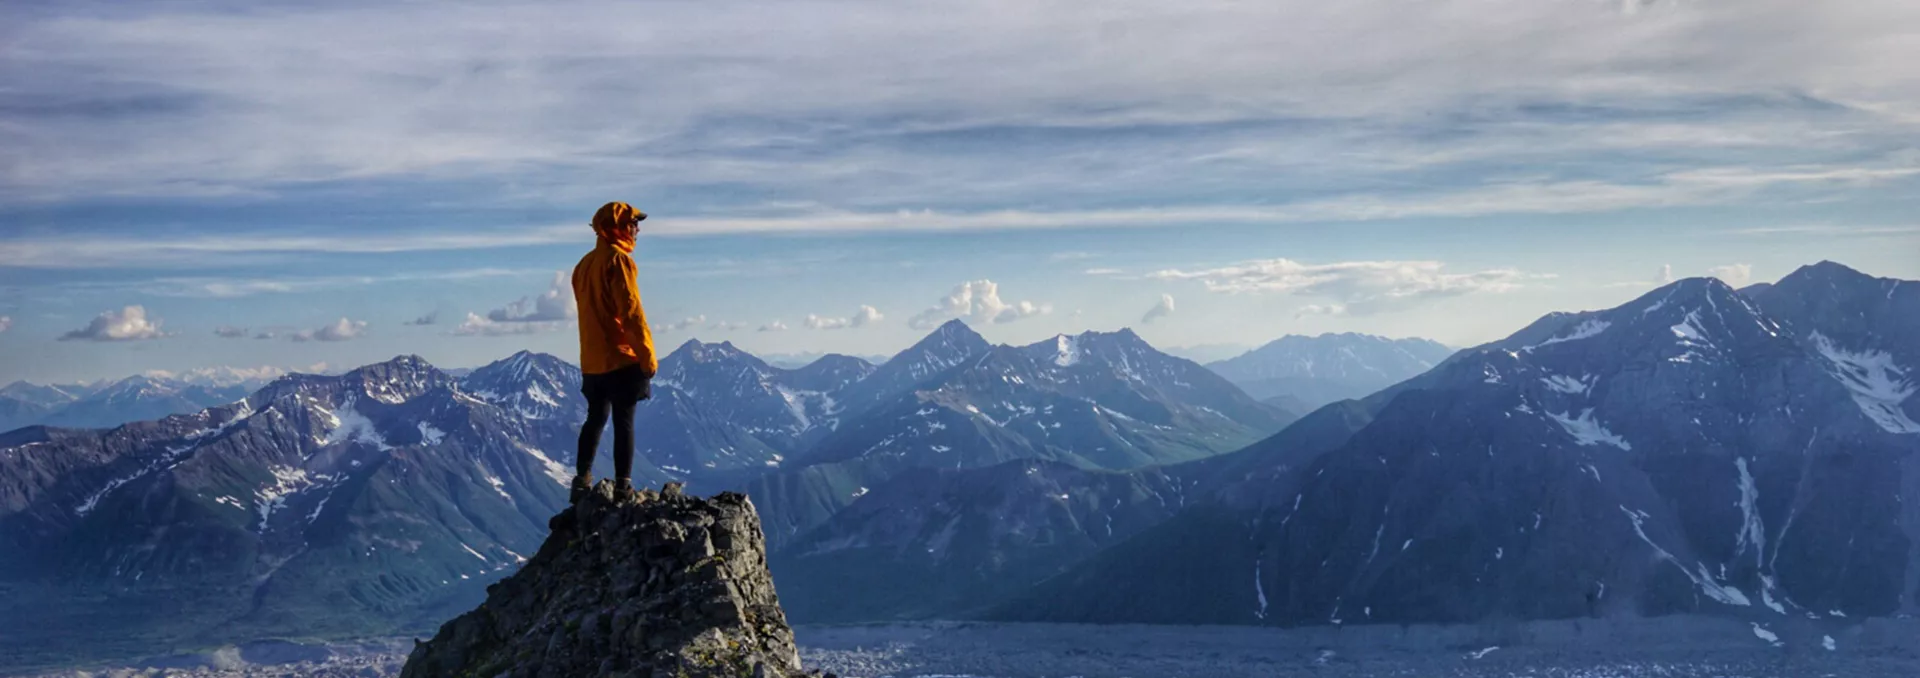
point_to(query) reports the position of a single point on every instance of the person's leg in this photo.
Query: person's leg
(598, 407)
(623, 439)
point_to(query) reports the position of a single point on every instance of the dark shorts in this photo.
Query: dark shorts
(625, 385)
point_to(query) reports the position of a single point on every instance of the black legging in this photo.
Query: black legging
(598, 409)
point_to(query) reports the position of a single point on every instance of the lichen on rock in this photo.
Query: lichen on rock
(641, 584)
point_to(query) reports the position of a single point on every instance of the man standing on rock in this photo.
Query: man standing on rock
(616, 347)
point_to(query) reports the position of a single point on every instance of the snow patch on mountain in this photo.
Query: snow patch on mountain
(1587, 431)
(349, 425)
(1702, 579)
(1067, 351)
(1751, 532)
(429, 434)
(1586, 330)
(1569, 385)
(1879, 386)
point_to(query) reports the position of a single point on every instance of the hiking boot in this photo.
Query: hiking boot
(623, 487)
(582, 484)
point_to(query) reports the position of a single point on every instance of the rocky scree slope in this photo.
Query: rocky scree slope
(644, 584)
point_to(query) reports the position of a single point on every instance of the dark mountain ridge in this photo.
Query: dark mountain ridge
(1692, 450)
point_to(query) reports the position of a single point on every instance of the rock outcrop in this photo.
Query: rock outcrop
(644, 585)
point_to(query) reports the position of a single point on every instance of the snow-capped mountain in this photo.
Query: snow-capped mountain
(1692, 450)
(25, 404)
(941, 542)
(1314, 371)
(139, 398)
(316, 505)
(532, 385)
(1094, 400)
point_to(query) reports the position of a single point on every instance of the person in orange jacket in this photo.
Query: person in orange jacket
(616, 347)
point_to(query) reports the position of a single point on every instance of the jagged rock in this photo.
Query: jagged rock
(629, 584)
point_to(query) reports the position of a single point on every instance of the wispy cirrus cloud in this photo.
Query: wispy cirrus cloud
(1355, 287)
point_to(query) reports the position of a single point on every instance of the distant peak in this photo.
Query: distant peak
(953, 330)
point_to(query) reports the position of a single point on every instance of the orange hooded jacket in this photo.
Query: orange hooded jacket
(613, 327)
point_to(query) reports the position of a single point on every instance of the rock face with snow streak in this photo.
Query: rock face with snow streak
(649, 585)
(1696, 449)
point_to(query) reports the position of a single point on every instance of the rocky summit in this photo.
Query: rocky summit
(645, 584)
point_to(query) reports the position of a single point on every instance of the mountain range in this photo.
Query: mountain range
(379, 500)
(1698, 449)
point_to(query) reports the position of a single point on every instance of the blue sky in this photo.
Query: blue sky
(312, 179)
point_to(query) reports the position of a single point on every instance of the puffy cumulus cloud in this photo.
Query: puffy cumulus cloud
(554, 305)
(775, 326)
(344, 329)
(863, 317)
(1354, 287)
(127, 324)
(477, 325)
(978, 302)
(430, 318)
(1159, 310)
(726, 326)
(229, 332)
(684, 324)
(1737, 275)
(1320, 309)
(6, 323)
(549, 311)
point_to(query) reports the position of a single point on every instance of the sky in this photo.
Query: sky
(198, 184)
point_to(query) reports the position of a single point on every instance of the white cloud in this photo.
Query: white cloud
(127, 324)
(1070, 256)
(6, 323)
(684, 323)
(1320, 309)
(726, 326)
(1160, 310)
(977, 302)
(229, 332)
(1737, 275)
(343, 329)
(553, 306)
(775, 326)
(550, 311)
(239, 110)
(861, 318)
(477, 325)
(1356, 287)
(1666, 274)
(1102, 271)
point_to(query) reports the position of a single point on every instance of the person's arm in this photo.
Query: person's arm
(627, 312)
